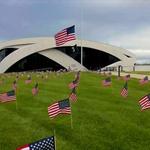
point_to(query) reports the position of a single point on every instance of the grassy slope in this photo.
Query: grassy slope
(102, 119)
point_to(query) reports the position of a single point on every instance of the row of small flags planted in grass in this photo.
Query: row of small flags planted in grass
(144, 101)
(59, 107)
(64, 106)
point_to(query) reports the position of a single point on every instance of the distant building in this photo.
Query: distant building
(42, 53)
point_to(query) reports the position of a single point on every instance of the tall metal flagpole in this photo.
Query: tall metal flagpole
(81, 53)
(81, 35)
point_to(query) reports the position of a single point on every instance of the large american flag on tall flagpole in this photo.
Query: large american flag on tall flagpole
(60, 107)
(145, 102)
(65, 35)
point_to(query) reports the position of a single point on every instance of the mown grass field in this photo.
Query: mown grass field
(102, 119)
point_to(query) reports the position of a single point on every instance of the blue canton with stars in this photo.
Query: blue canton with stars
(43, 144)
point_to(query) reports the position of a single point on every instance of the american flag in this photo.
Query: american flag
(107, 82)
(145, 102)
(14, 85)
(77, 76)
(28, 80)
(73, 84)
(73, 95)
(124, 91)
(8, 96)
(127, 77)
(65, 35)
(60, 107)
(43, 144)
(35, 90)
(144, 81)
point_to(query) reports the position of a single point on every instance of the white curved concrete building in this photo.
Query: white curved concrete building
(37, 53)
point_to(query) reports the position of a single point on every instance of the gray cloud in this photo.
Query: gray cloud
(119, 22)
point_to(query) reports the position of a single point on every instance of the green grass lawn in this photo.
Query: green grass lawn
(102, 119)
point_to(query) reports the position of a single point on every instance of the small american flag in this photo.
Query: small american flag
(73, 84)
(127, 77)
(77, 76)
(8, 96)
(73, 95)
(144, 81)
(60, 107)
(107, 82)
(145, 102)
(35, 90)
(65, 35)
(28, 80)
(124, 91)
(14, 85)
(43, 144)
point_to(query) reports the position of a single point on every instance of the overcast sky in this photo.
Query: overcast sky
(124, 23)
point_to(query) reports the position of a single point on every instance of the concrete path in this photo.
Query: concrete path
(137, 76)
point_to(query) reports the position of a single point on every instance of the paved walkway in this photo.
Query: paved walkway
(137, 76)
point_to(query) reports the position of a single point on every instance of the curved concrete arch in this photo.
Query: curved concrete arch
(63, 59)
(44, 45)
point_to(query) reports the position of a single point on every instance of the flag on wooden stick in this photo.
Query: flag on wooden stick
(73, 84)
(29, 80)
(35, 90)
(77, 77)
(124, 91)
(127, 77)
(60, 107)
(106, 82)
(73, 96)
(7, 96)
(14, 85)
(145, 102)
(144, 80)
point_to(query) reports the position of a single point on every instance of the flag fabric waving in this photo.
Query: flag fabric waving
(73, 95)
(145, 102)
(43, 144)
(107, 82)
(144, 80)
(127, 77)
(65, 35)
(14, 85)
(73, 84)
(35, 90)
(77, 77)
(60, 107)
(28, 80)
(7, 96)
(124, 91)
